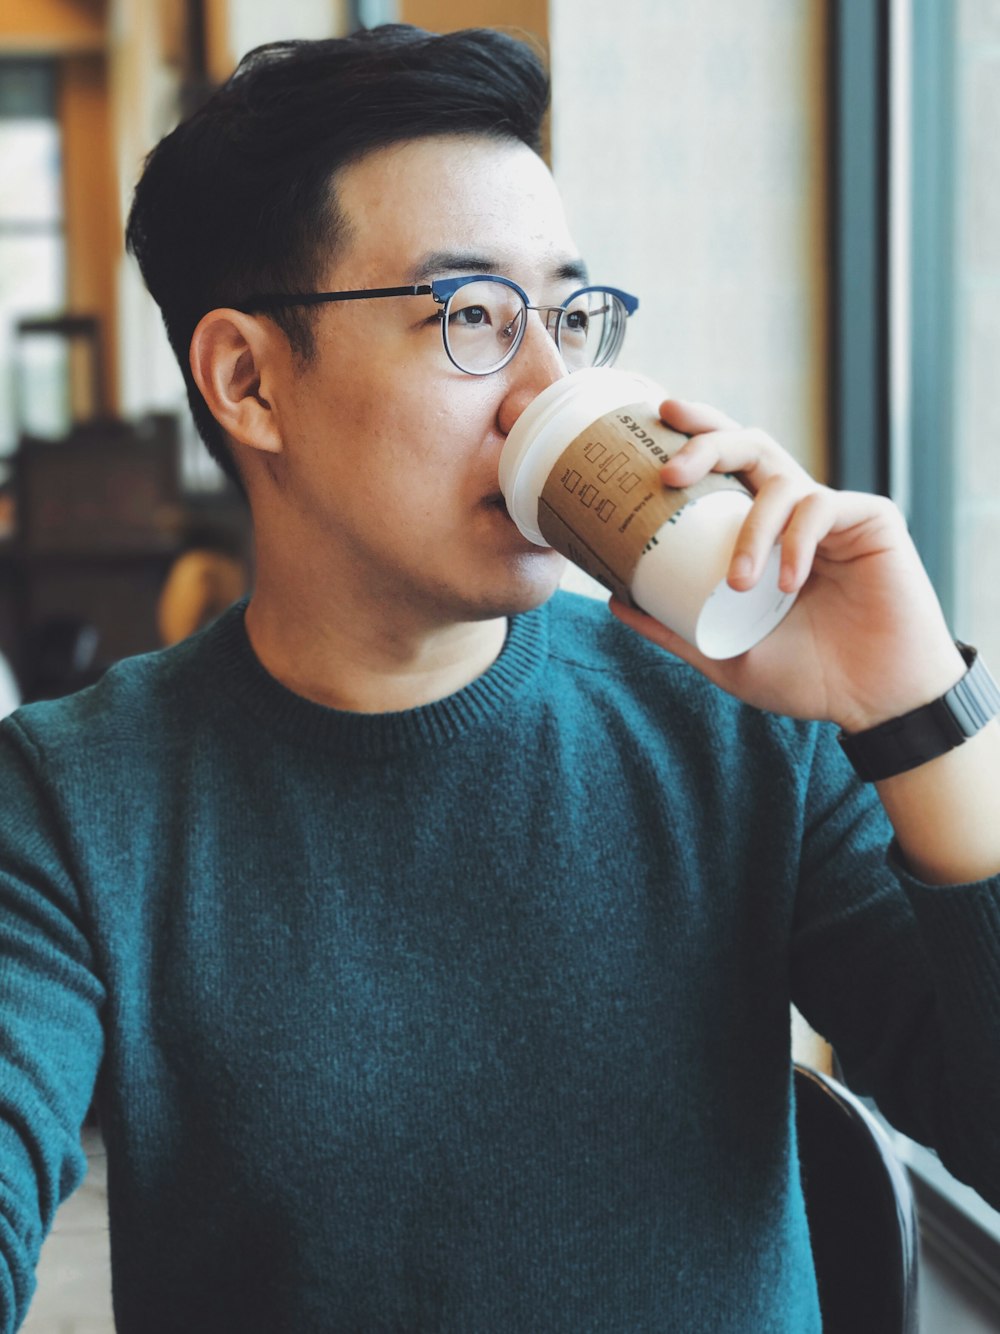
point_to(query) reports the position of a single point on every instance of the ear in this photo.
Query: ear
(233, 358)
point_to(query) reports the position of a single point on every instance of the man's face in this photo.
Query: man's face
(388, 476)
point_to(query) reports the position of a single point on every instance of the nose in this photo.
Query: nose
(536, 364)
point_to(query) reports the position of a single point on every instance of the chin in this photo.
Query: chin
(526, 584)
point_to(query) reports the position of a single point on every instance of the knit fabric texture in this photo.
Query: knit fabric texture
(472, 1018)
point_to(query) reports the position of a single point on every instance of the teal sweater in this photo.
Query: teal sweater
(471, 1019)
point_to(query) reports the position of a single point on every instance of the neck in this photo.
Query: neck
(346, 657)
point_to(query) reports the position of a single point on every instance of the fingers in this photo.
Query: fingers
(780, 485)
(841, 525)
(718, 444)
(789, 508)
(779, 512)
(694, 418)
(810, 521)
(772, 508)
(747, 451)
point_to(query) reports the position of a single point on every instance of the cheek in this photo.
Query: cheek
(438, 433)
(390, 407)
(461, 419)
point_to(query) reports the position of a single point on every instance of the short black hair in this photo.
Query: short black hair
(238, 199)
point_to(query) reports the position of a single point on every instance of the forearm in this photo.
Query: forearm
(946, 813)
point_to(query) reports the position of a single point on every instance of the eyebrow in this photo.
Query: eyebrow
(450, 261)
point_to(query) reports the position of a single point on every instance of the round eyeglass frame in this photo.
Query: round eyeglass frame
(443, 291)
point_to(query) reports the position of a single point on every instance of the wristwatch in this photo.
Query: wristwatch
(923, 734)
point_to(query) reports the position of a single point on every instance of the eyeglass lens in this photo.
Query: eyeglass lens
(484, 323)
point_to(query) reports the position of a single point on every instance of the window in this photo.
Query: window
(954, 206)
(33, 392)
(943, 265)
(916, 233)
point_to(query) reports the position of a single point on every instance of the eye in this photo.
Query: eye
(576, 321)
(469, 317)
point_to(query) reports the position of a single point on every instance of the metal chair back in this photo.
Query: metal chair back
(862, 1222)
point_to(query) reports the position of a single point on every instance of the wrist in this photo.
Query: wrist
(923, 677)
(922, 733)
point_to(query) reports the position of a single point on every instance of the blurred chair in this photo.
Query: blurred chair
(862, 1222)
(200, 585)
(63, 657)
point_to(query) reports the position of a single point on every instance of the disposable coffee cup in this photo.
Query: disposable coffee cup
(580, 472)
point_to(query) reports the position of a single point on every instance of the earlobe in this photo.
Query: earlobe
(230, 357)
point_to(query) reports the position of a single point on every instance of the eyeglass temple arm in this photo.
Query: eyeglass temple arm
(255, 304)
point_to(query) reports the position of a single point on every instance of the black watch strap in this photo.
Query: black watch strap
(923, 734)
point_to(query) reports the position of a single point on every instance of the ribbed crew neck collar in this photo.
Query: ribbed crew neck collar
(242, 677)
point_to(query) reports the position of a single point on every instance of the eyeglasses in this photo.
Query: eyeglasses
(483, 319)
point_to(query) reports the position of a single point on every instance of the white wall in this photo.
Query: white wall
(253, 22)
(687, 138)
(144, 94)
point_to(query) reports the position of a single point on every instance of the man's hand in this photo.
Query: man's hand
(866, 639)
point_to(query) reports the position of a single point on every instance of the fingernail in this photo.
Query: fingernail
(741, 567)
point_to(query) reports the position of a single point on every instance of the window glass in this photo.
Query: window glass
(32, 250)
(29, 183)
(34, 395)
(975, 518)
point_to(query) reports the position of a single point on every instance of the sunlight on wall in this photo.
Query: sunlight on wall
(688, 142)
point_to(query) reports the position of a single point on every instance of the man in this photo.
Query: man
(431, 937)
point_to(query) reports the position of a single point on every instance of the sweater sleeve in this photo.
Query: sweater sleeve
(902, 978)
(51, 1037)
